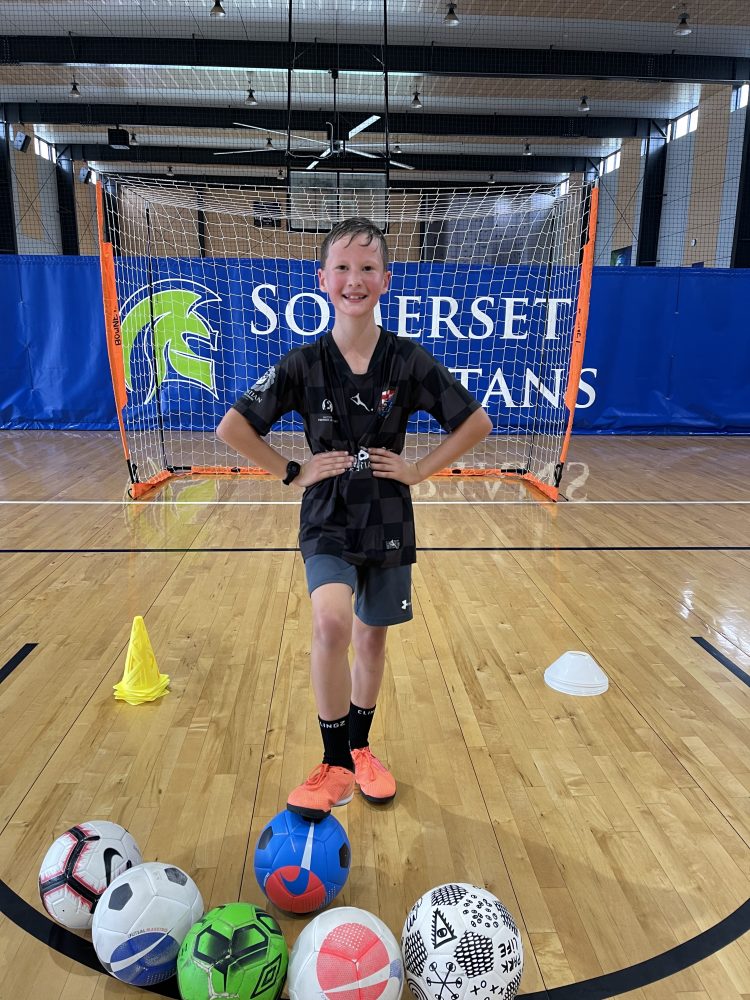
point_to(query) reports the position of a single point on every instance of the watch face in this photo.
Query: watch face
(293, 469)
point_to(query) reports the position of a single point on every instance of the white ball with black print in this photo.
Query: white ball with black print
(460, 941)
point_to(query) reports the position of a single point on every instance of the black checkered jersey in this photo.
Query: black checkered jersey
(356, 516)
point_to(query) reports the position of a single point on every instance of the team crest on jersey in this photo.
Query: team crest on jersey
(386, 402)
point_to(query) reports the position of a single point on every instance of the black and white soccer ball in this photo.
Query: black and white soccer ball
(142, 920)
(459, 941)
(80, 865)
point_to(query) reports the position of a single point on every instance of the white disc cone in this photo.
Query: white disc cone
(576, 673)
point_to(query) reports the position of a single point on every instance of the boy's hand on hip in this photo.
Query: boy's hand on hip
(388, 465)
(324, 465)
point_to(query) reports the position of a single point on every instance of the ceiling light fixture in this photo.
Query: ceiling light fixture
(451, 18)
(280, 174)
(74, 91)
(683, 28)
(170, 171)
(396, 149)
(118, 138)
(415, 101)
(527, 150)
(492, 179)
(217, 10)
(583, 107)
(269, 143)
(133, 139)
(250, 100)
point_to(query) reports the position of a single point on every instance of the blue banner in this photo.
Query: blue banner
(203, 330)
(666, 349)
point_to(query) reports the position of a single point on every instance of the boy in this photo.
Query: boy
(355, 388)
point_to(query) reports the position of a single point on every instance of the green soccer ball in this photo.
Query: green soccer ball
(235, 952)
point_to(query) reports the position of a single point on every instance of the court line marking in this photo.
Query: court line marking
(731, 666)
(652, 970)
(427, 548)
(61, 940)
(7, 668)
(433, 503)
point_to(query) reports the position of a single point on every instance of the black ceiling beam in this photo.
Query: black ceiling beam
(185, 176)
(432, 60)
(272, 161)
(479, 126)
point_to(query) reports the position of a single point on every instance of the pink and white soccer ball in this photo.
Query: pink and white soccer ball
(459, 941)
(345, 954)
(80, 865)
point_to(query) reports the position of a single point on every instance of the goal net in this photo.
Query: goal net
(207, 285)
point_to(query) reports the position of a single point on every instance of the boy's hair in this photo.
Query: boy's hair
(357, 226)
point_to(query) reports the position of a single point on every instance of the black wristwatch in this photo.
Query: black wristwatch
(293, 469)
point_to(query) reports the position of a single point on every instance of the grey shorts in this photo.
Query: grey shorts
(381, 596)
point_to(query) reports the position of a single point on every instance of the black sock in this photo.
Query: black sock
(335, 733)
(360, 720)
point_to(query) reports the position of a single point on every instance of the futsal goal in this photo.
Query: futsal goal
(207, 285)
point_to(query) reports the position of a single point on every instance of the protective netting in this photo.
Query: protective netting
(214, 283)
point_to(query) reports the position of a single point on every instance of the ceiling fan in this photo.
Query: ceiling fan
(337, 145)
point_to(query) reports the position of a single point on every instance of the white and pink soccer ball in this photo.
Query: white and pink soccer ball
(80, 865)
(345, 954)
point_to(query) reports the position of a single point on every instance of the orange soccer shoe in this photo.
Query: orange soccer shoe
(325, 787)
(375, 781)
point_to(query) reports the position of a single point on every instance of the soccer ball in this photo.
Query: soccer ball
(80, 865)
(236, 952)
(301, 866)
(142, 920)
(460, 941)
(346, 954)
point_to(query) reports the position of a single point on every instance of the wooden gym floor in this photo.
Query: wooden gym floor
(615, 828)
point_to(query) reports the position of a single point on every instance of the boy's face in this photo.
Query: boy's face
(354, 276)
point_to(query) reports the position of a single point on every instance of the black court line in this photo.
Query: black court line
(669, 963)
(723, 660)
(426, 548)
(634, 977)
(61, 940)
(7, 669)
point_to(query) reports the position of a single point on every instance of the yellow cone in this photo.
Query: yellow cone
(141, 680)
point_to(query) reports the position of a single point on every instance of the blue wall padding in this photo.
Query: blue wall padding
(671, 350)
(667, 350)
(53, 355)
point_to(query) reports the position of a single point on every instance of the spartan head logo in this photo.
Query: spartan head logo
(183, 339)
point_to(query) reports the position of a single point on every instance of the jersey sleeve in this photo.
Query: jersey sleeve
(274, 394)
(441, 394)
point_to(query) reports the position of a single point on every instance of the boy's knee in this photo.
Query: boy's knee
(331, 627)
(370, 639)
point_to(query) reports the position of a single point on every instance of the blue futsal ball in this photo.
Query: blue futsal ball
(302, 866)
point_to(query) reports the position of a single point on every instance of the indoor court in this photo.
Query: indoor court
(615, 828)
